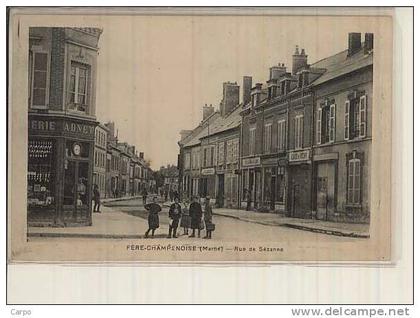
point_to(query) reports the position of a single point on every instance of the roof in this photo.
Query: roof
(339, 65)
(218, 125)
(198, 129)
(232, 120)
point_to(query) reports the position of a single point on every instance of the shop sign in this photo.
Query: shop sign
(42, 125)
(299, 156)
(250, 162)
(207, 171)
(78, 128)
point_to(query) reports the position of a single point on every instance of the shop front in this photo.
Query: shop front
(252, 182)
(60, 169)
(274, 180)
(299, 184)
(207, 186)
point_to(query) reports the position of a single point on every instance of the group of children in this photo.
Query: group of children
(188, 217)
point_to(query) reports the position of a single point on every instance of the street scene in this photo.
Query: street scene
(283, 158)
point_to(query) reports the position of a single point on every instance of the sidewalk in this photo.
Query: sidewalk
(325, 227)
(108, 224)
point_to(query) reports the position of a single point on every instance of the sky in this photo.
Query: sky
(155, 73)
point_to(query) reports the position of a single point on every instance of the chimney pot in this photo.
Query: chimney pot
(297, 50)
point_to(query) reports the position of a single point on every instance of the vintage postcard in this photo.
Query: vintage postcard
(200, 136)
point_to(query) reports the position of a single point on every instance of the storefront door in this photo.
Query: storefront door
(76, 201)
(221, 190)
(325, 197)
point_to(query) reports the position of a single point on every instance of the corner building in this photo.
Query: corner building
(61, 124)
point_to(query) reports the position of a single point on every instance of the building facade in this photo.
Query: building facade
(61, 129)
(100, 159)
(343, 133)
(303, 140)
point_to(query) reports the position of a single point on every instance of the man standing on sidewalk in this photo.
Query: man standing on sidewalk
(175, 212)
(144, 195)
(96, 198)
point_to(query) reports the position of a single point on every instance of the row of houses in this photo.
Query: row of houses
(119, 169)
(298, 144)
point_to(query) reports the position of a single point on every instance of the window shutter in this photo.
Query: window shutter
(332, 123)
(362, 122)
(347, 120)
(319, 126)
(40, 79)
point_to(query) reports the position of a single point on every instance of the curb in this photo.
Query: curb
(301, 227)
(93, 235)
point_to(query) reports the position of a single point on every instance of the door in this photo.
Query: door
(76, 199)
(296, 206)
(325, 198)
(273, 193)
(221, 190)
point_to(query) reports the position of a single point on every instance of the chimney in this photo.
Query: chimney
(230, 97)
(277, 71)
(207, 111)
(246, 89)
(299, 60)
(141, 155)
(354, 43)
(368, 42)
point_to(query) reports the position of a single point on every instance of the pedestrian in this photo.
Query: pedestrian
(166, 195)
(185, 218)
(176, 195)
(248, 199)
(196, 214)
(96, 198)
(171, 195)
(208, 219)
(175, 212)
(144, 195)
(153, 218)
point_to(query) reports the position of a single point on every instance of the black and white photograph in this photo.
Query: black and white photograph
(199, 137)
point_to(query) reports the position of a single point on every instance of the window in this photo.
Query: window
(79, 83)
(39, 80)
(252, 141)
(221, 153)
(298, 132)
(187, 160)
(272, 92)
(267, 138)
(353, 182)
(355, 118)
(325, 124)
(212, 157)
(281, 135)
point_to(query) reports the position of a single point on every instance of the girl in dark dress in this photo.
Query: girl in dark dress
(196, 214)
(153, 218)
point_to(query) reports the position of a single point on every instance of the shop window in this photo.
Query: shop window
(355, 118)
(78, 87)
(39, 79)
(353, 182)
(298, 133)
(325, 124)
(41, 177)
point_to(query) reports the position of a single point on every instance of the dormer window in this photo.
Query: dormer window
(303, 79)
(255, 100)
(272, 92)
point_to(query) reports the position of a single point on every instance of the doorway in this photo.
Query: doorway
(325, 196)
(220, 190)
(76, 199)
